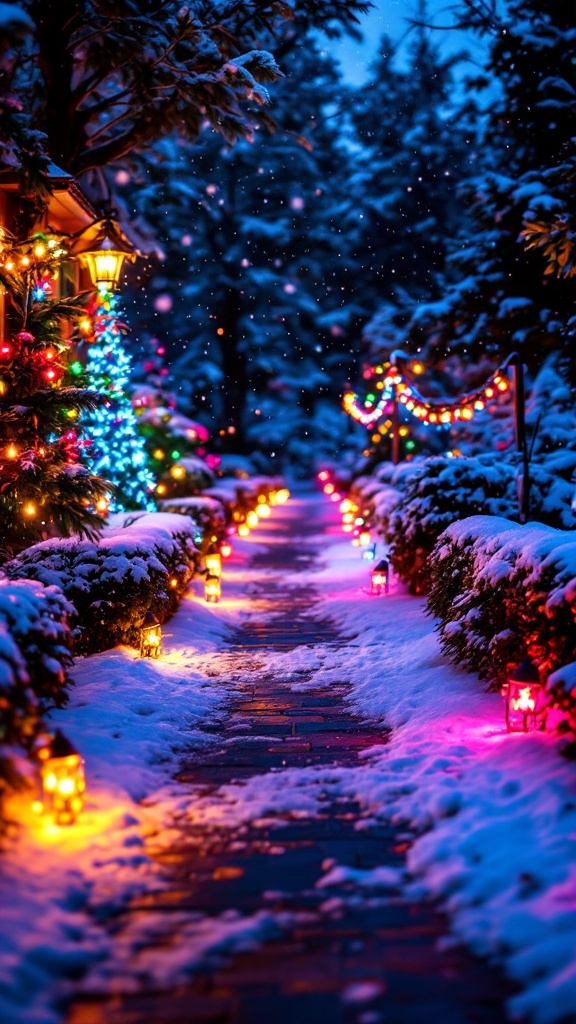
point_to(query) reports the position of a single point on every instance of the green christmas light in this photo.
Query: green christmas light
(76, 368)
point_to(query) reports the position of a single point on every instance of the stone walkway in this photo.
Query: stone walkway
(365, 960)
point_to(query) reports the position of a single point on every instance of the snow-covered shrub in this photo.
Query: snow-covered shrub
(207, 514)
(440, 491)
(501, 590)
(141, 561)
(34, 656)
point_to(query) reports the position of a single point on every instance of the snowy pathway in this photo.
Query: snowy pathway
(254, 923)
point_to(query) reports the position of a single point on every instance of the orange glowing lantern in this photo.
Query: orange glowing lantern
(150, 637)
(62, 776)
(380, 578)
(213, 563)
(212, 588)
(525, 704)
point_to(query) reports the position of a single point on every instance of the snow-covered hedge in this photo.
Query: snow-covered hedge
(207, 514)
(440, 491)
(501, 590)
(34, 656)
(141, 561)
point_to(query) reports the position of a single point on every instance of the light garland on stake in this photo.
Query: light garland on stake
(395, 387)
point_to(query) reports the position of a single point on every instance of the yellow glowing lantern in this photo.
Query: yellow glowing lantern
(243, 530)
(212, 588)
(62, 776)
(282, 495)
(252, 520)
(213, 563)
(150, 637)
(364, 538)
(103, 247)
(380, 577)
(525, 704)
(263, 511)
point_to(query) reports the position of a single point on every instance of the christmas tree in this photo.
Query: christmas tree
(45, 487)
(117, 449)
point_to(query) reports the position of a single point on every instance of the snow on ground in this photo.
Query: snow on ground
(494, 815)
(131, 719)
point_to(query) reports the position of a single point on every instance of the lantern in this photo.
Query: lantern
(62, 776)
(525, 705)
(243, 530)
(225, 549)
(251, 520)
(103, 247)
(212, 589)
(380, 577)
(364, 538)
(213, 564)
(150, 637)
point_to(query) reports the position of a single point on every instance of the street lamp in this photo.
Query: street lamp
(103, 247)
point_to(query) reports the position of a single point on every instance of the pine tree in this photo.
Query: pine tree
(45, 485)
(257, 274)
(499, 297)
(117, 450)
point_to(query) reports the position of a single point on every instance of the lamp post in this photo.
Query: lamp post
(103, 247)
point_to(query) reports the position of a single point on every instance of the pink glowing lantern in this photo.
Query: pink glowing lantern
(525, 703)
(380, 578)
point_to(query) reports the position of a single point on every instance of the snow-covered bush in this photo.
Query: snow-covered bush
(141, 561)
(207, 514)
(500, 591)
(34, 656)
(440, 491)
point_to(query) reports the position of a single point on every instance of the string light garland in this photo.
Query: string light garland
(395, 387)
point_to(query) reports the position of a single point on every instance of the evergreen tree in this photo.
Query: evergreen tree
(499, 298)
(117, 450)
(256, 277)
(413, 151)
(45, 485)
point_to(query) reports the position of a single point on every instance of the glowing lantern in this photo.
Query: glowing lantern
(213, 563)
(225, 549)
(252, 520)
(103, 247)
(282, 495)
(243, 530)
(380, 577)
(263, 511)
(150, 637)
(525, 705)
(62, 775)
(364, 539)
(212, 588)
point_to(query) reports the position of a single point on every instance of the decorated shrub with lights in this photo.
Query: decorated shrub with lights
(140, 563)
(34, 658)
(440, 492)
(46, 486)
